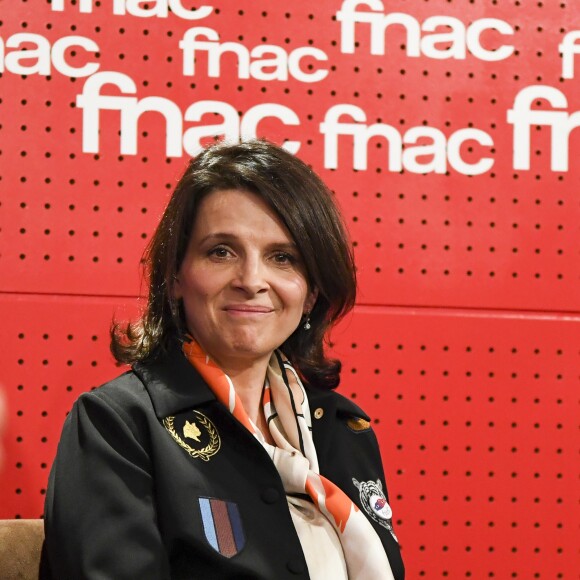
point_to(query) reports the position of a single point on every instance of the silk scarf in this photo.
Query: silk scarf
(287, 414)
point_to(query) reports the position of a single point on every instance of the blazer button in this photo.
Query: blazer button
(296, 566)
(270, 495)
(318, 413)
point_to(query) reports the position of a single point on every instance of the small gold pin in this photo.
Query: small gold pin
(358, 424)
(318, 413)
(191, 431)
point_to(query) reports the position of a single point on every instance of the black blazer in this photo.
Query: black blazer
(155, 479)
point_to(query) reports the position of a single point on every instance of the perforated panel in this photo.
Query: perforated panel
(464, 345)
(58, 349)
(478, 427)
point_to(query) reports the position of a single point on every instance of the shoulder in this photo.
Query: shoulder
(124, 399)
(339, 425)
(341, 407)
(345, 441)
(125, 383)
(127, 388)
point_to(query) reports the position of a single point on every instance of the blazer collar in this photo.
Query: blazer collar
(173, 383)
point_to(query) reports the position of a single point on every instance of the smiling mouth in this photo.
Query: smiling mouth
(248, 310)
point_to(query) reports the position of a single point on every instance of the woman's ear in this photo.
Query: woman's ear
(310, 301)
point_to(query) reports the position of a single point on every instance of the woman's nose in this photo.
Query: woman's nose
(251, 276)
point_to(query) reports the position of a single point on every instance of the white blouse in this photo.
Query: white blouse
(319, 540)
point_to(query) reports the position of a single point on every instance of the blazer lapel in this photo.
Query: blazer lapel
(173, 383)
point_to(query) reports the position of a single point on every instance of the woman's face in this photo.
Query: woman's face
(242, 280)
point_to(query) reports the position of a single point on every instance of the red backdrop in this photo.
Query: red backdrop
(446, 129)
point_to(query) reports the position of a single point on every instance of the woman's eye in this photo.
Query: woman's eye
(284, 258)
(219, 252)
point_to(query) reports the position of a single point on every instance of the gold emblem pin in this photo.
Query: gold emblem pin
(190, 430)
(206, 435)
(358, 424)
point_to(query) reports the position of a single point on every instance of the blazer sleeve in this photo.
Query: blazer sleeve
(100, 519)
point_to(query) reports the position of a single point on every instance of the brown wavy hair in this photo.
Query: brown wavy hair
(306, 207)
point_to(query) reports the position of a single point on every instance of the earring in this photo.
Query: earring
(307, 325)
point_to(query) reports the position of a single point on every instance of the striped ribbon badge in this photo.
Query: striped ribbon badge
(222, 525)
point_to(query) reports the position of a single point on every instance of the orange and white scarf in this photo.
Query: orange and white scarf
(288, 416)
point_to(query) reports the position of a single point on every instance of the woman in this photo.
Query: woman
(224, 452)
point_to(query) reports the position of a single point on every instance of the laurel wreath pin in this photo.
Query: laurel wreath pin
(206, 452)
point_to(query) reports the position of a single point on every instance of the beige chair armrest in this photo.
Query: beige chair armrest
(21, 543)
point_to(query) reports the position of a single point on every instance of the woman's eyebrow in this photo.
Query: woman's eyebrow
(218, 236)
(289, 246)
(229, 236)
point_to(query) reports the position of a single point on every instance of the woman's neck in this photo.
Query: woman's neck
(248, 383)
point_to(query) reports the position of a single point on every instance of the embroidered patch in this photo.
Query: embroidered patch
(222, 525)
(374, 502)
(358, 424)
(205, 439)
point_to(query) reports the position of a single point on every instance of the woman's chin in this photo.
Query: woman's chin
(244, 345)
